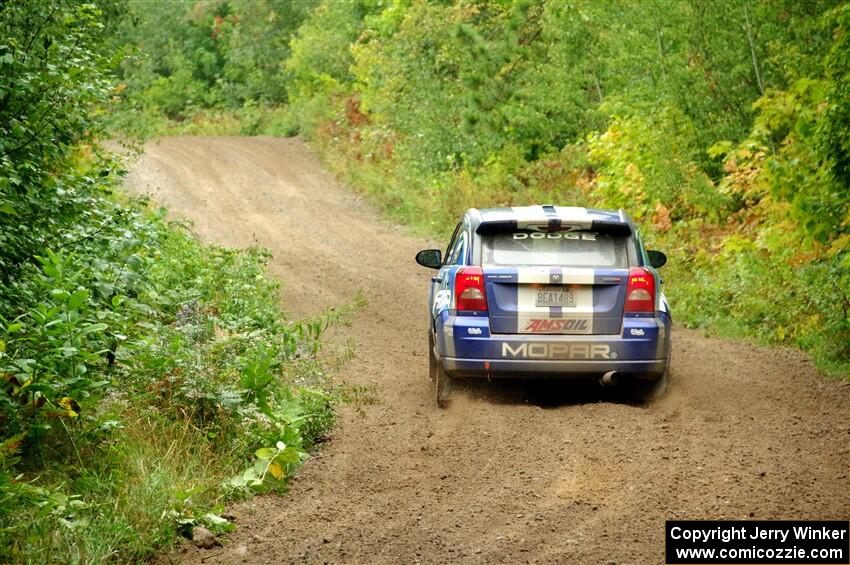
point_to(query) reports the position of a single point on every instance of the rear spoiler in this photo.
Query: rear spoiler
(612, 227)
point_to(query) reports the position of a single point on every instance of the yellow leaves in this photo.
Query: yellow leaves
(633, 174)
(840, 244)
(801, 326)
(635, 181)
(70, 405)
(736, 244)
(661, 220)
(276, 470)
(17, 382)
(744, 168)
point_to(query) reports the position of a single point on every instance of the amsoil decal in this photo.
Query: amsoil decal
(558, 351)
(555, 325)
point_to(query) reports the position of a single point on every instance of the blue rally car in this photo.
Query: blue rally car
(547, 291)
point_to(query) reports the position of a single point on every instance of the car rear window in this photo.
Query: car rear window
(562, 249)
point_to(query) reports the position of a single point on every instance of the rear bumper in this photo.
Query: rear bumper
(561, 369)
(466, 348)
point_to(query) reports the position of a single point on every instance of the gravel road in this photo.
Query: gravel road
(509, 473)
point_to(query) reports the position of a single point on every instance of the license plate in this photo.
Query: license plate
(563, 297)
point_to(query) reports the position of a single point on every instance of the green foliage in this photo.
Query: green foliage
(139, 370)
(797, 172)
(51, 71)
(139, 322)
(642, 167)
(188, 57)
(720, 126)
(834, 126)
(321, 58)
(408, 83)
(776, 305)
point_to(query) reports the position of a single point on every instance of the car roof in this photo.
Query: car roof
(549, 218)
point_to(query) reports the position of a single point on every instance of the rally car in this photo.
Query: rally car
(547, 291)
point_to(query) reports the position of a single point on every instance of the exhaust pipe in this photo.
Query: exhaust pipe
(608, 379)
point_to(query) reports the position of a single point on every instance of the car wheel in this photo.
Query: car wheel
(432, 360)
(648, 391)
(442, 386)
(442, 380)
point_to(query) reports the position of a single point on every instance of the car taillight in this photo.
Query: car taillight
(640, 294)
(469, 289)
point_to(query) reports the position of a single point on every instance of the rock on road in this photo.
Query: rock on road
(509, 473)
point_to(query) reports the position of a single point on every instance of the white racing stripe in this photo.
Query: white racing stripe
(529, 215)
(575, 216)
(540, 319)
(536, 216)
(531, 275)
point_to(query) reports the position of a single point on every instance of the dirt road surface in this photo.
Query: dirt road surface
(509, 473)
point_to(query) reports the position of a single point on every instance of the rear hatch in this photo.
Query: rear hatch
(554, 281)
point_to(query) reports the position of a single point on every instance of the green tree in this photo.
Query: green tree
(53, 73)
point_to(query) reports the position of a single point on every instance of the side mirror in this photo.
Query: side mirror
(657, 259)
(431, 258)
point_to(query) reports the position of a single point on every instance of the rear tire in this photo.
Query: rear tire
(432, 361)
(442, 387)
(442, 380)
(649, 391)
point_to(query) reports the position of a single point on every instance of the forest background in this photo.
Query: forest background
(723, 127)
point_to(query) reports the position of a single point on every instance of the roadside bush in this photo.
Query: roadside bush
(138, 325)
(145, 378)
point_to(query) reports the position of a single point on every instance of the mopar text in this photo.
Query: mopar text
(557, 351)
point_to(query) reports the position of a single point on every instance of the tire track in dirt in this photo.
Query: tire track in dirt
(510, 473)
